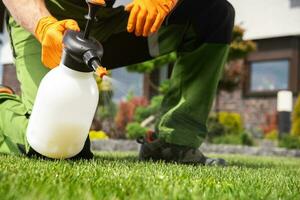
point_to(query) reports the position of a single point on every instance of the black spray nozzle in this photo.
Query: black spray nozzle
(79, 53)
(91, 59)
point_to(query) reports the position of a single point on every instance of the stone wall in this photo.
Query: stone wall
(252, 109)
(262, 150)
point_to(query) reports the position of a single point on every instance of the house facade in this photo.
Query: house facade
(274, 66)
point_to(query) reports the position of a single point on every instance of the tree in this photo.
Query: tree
(234, 68)
(239, 49)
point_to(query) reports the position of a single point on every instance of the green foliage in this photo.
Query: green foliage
(227, 128)
(98, 135)
(296, 119)
(134, 130)
(130, 95)
(225, 123)
(231, 121)
(246, 139)
(233, 71)
(126, 110)
(227, 139)
(164, 87)
(118, 175)
(107, 111)
(149, 66)
(290, 142)
(272, 135)
(239, 47)
(241, 139)
(141, 113)
(215, 128)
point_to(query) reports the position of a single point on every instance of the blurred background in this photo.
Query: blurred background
(264, 59)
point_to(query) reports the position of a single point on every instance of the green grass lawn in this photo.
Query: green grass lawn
(121, 176)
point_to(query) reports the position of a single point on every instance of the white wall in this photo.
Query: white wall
(5, 50)
(5, 53)
(122, 2)
(268, 18)
(264, 18)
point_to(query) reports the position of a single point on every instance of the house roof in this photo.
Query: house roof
(264, 19)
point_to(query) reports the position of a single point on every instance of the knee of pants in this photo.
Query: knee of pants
(213, 21)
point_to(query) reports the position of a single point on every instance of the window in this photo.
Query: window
(269, 76)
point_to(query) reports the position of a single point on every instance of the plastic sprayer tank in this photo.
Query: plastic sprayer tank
(62, 113)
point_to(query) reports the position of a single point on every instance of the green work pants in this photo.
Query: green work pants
(199, 31)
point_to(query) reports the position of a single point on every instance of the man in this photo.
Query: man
(199, 30)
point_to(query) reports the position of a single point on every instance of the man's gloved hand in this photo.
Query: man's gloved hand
(49, 31)
(146, 16)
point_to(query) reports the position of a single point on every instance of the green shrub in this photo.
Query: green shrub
(107, 111)
(227, 139)
(246, 139)
(296, 119)
(241, 139)
(126, 110)
(134, 130)
(98, 135)
(272, 135)
(214, 127)
(164, 86)
(290, 142)
(227, 128)
(142, 113)
(232, 122)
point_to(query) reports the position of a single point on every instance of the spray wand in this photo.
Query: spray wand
(91, 17)
(82, 52)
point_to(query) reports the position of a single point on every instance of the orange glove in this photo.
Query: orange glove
(49, 31)
(98, 2)
(146, 16)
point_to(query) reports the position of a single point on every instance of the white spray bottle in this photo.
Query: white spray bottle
(67, 97)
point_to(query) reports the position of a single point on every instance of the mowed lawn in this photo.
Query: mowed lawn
(121, 176)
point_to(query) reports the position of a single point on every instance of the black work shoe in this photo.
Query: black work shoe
(5, 89)
(156, 149)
